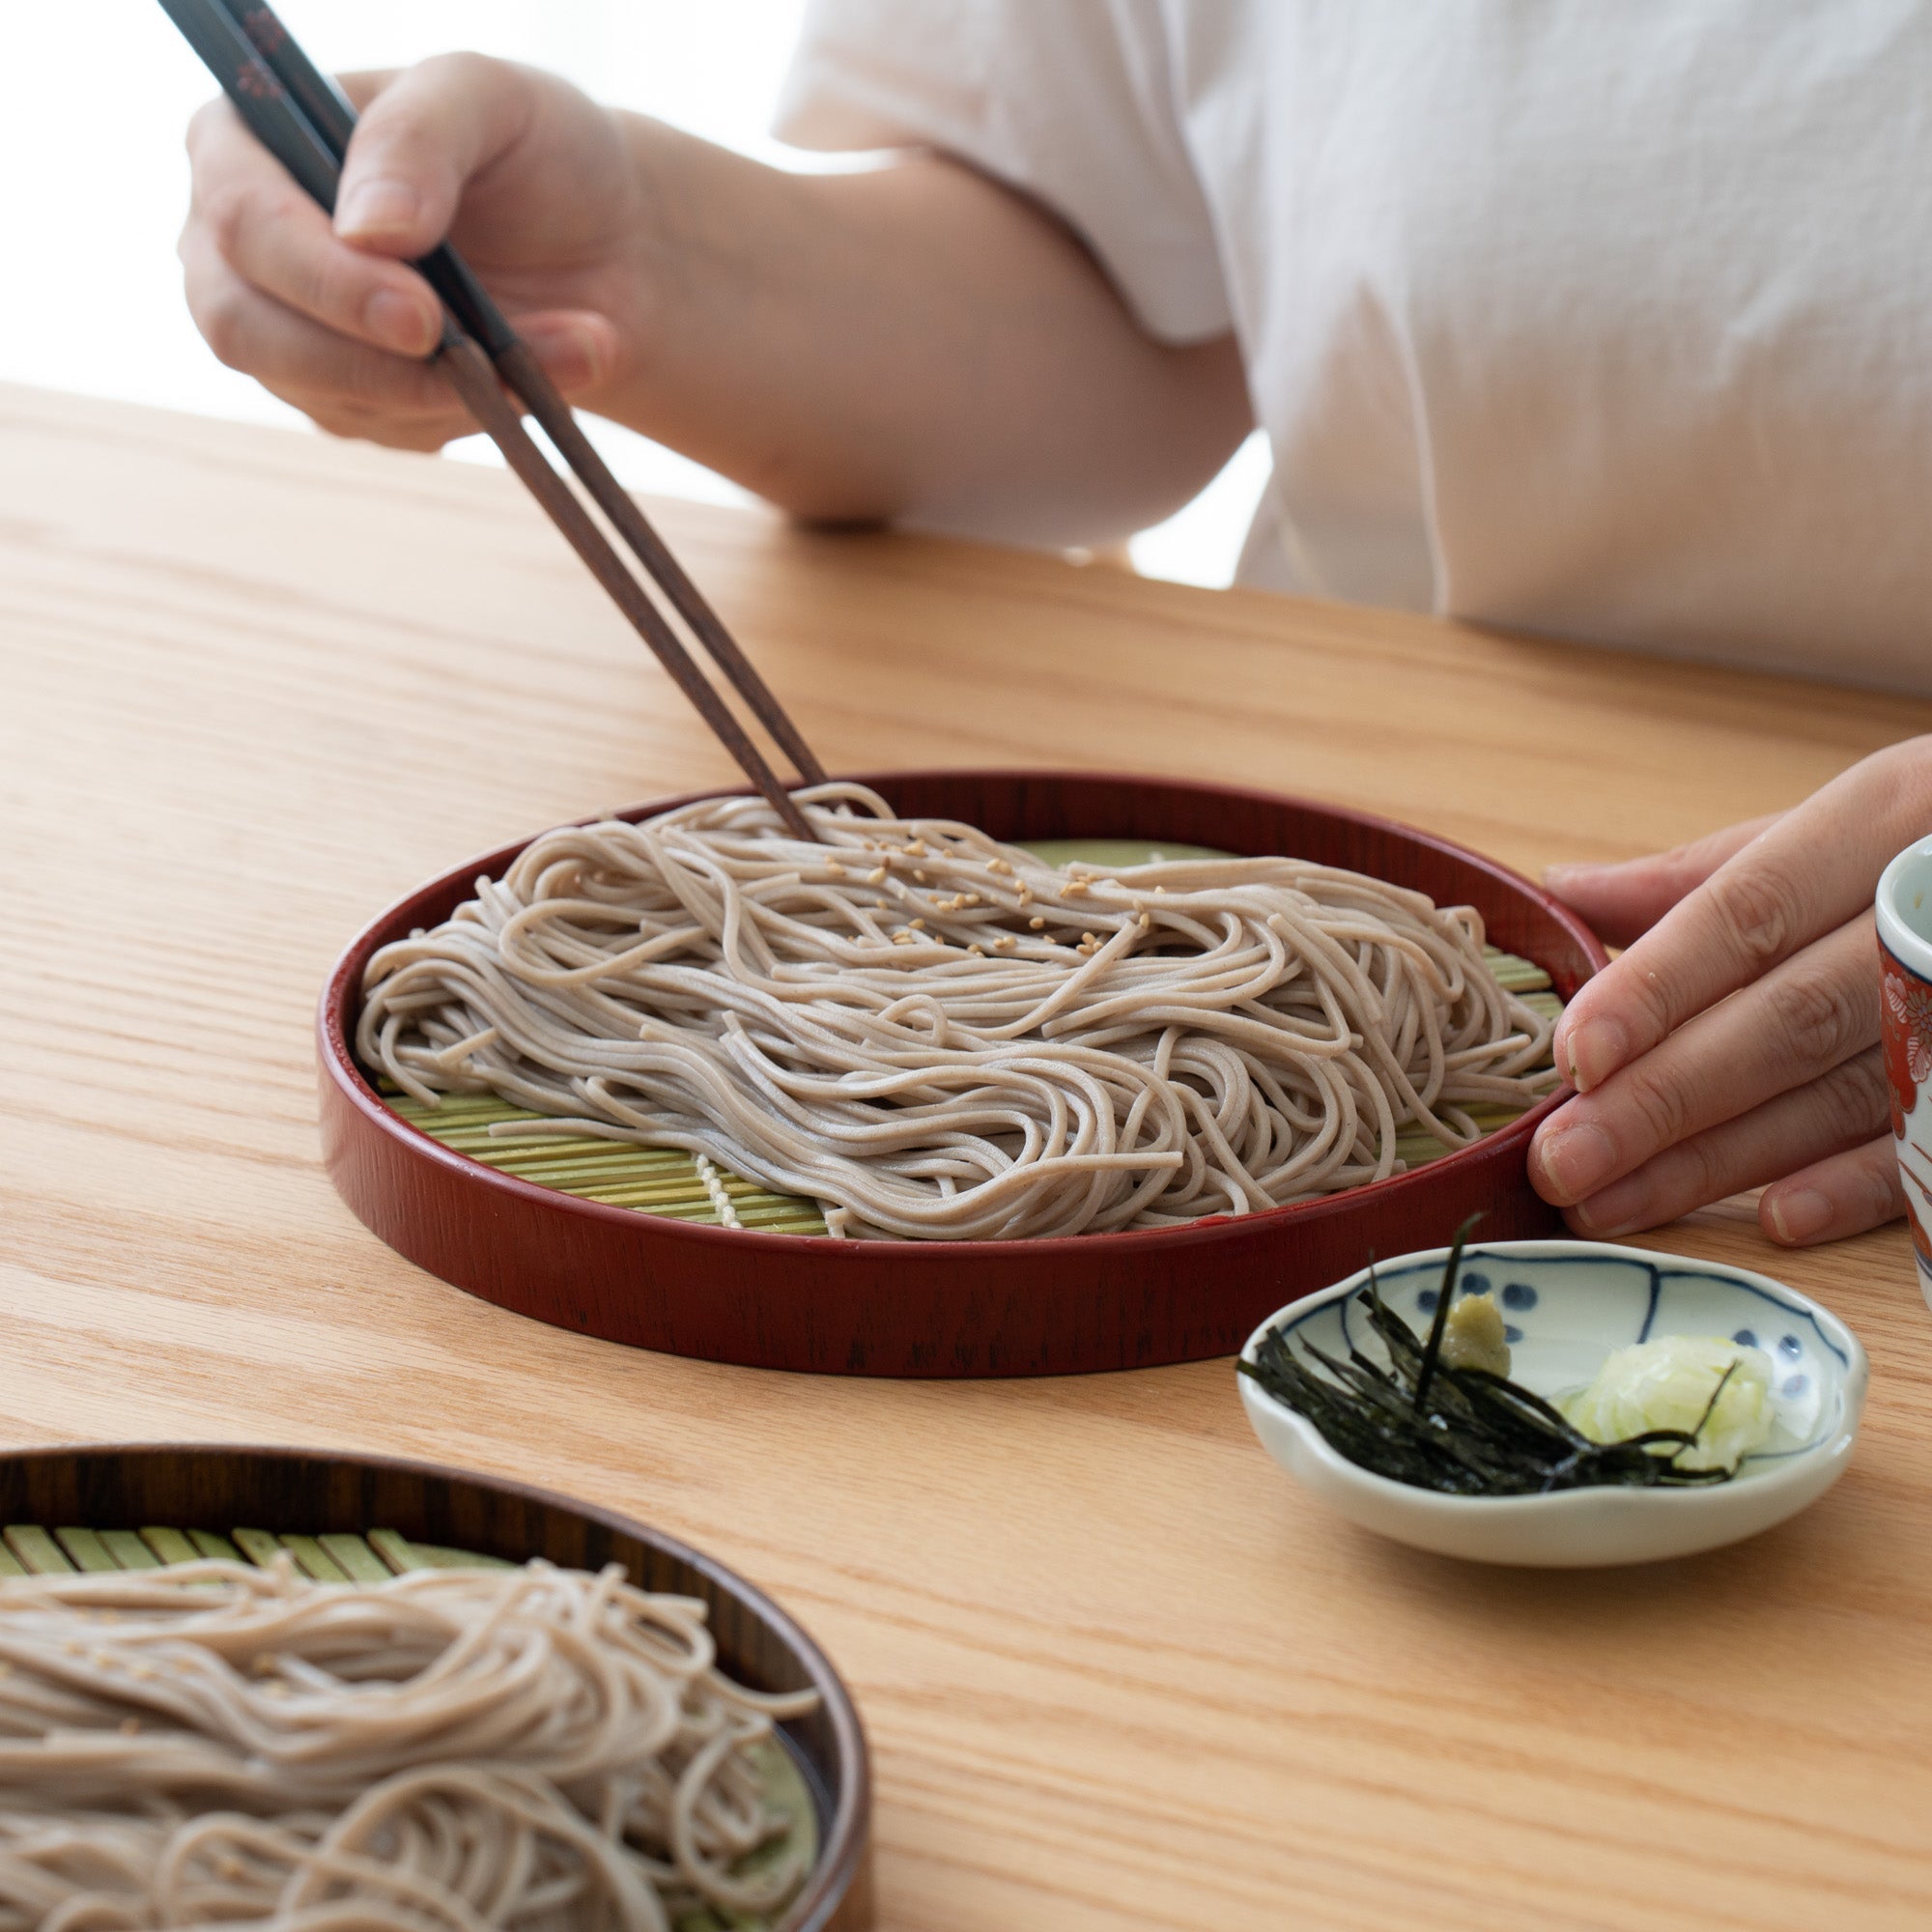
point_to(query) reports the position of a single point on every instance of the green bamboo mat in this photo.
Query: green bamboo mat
(30, 1549)
(653, 1180)
(27, 1549)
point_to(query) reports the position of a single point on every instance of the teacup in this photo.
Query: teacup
(1905, 989)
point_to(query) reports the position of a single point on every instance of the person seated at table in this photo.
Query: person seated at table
(1607, 323)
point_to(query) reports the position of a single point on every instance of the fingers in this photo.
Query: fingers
(287, 250)
(1839, 1110)
(422, 135)
(1843, 1195)
(1620, 903)
(350, 389)
(1810, 871)
(353, 390)
(419, 140)
(1800, 1021)
(334, 328)
(297, 357)
(249, 215)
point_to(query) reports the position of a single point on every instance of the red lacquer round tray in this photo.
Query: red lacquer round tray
(948, 1308)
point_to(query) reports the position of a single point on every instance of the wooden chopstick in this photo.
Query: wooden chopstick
(332, 117)
(279, 92)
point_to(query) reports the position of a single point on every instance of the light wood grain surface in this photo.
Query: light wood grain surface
(1118, 1673)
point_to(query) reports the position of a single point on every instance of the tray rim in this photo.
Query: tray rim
(839, 1883)
(341, 991)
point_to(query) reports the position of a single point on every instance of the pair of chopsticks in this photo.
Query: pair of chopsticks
(302, 119)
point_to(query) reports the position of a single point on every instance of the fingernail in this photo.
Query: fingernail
(384, 206)
(1578, 1159)
(1594, 1049)
(400, 322)
(1616, 1209)
(1799, 1215)
(574, 354)
(1556, 877)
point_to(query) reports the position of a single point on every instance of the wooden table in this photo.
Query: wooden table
(1117, 1671)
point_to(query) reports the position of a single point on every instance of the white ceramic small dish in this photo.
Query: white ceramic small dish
(1567, 1304)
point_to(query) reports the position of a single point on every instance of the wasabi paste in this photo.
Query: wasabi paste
(1474, 1336)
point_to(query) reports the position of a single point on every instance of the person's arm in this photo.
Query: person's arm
(1735, 1045)
(913, 341)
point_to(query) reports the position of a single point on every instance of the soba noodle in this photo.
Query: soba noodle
(938, 1036)
(216, 1744)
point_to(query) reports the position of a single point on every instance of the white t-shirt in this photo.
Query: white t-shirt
(1604, 318)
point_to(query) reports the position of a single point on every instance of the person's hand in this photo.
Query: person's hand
(531, 181)
(1736, 1042)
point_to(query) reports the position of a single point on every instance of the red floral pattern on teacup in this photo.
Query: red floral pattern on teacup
(1908, 1038)
(1906, 1018)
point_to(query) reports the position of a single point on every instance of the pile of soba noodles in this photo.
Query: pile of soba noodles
(219, 1745)
(938, 1036)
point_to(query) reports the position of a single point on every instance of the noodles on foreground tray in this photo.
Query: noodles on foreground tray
(219, 1745)
(941, 1037)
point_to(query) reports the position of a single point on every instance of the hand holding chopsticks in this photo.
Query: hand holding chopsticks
(304, 121)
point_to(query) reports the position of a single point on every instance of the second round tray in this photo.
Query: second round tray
(947, 1308)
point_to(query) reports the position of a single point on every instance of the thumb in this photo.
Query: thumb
(418, 142)
(1622, 902)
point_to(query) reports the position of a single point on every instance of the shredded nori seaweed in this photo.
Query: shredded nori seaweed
(1463, 1432)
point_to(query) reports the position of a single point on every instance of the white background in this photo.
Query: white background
(97, 93)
